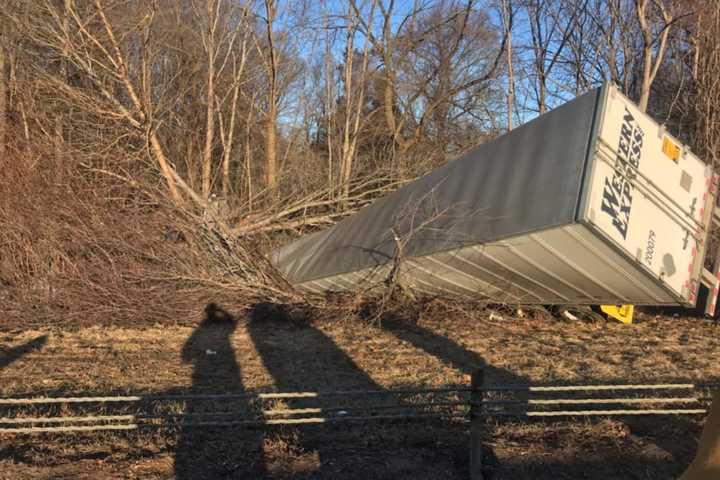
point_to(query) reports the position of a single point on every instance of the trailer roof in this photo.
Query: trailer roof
(527, 180)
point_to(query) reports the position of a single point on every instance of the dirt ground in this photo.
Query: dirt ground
(265, 352)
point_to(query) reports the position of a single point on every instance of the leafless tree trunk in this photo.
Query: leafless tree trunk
(210, 43)
(651, 62)
(248, 153)
(348, 144)
(227, 138)
(271, 65)
(227, 134)
(507, 16)
(329, 109)
(354, 102)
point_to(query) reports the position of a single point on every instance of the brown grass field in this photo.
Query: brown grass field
(441, 347)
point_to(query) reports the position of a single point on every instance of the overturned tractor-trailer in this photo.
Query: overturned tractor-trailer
(592, 203)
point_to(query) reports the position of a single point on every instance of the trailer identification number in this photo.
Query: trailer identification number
(618, 192)
(650, 250)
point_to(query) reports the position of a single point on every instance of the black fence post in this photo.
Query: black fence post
(476, 424)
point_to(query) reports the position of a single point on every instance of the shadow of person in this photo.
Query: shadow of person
(12, 354)
(215, 452)
(300, 357)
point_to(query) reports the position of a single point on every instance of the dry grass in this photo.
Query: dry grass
(275, 353)
(432, 352)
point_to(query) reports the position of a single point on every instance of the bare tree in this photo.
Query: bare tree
(706, 64)
(507, 17)
(652, 55)
(128, 71)
(329, 106)
(199, 94)
(210, 42)
(354, 93)
(604, 46)
(227, 132)
(434, 68)
(452, 73)
(248, 151)
(270, 56)
(550, 33)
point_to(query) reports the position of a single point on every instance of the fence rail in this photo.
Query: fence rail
(473, 404)
(224, 396)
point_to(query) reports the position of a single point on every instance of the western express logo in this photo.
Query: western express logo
(618, 192)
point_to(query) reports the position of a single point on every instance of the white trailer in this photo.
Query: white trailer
(592, 203)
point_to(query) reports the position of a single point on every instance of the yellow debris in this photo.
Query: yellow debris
(621, 313)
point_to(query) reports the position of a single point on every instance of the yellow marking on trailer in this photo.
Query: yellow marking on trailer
(670, 149)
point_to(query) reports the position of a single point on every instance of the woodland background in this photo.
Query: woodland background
(153, 151)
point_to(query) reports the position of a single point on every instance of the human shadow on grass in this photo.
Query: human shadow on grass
(10, 355)
(205, 452)
(301, 357)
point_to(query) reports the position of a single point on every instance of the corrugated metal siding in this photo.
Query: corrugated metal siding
(562, 265)
(521, 182)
